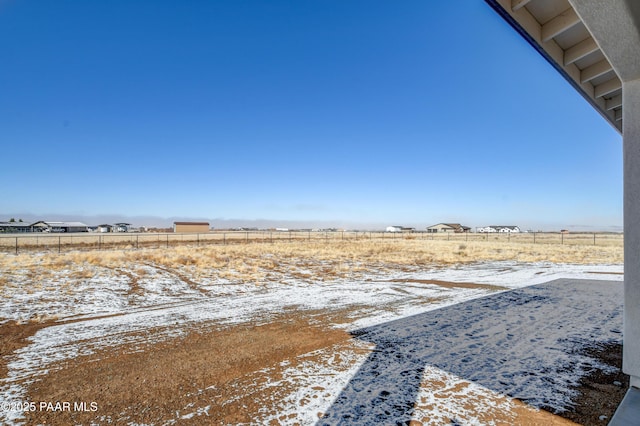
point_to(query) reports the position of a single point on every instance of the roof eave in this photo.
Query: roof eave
(513, 22)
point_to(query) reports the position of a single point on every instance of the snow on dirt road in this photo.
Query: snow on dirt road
(431, 346)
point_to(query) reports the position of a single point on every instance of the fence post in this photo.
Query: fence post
(534, 238)
(58, 243)
(16, 245)
(137, 242)
(561, 238)
(224, 238)
(167, 240)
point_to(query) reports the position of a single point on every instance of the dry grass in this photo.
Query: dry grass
(337, 256)
(306, 260)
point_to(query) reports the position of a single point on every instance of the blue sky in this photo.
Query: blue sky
(364, 113)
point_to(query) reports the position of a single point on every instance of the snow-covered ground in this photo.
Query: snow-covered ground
(415, 341)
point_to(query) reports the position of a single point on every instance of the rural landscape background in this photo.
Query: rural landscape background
(312, 118)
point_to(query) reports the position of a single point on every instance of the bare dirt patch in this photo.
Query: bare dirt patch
(449, 284)
(605, 273)
(600, 392)
(199, 369)
(14, 336)
(483, 408)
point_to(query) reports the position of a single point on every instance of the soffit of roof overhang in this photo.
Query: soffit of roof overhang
(554, 29)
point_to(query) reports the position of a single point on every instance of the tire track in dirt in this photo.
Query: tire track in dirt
(605, 273)
(14, 336)
(134, 285)
(192, 284)
(450, 284)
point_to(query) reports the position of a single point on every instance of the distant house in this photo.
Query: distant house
(46, 226)
(448, 227)
(14, 227)
(190, 226)
(486, 229)
(398, 228)
(499, 228)
(104, 228)
(122, 227)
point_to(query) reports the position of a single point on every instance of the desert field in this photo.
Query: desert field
(302, 331)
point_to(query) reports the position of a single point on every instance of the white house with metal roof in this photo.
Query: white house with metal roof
(498, 228)
(398, 228)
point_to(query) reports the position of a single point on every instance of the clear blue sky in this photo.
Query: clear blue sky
(366, 112)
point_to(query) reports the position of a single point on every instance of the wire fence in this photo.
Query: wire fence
(37, 242)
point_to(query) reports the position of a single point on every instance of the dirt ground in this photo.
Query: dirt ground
(13, 336)
(151, 385)
(601, 393)
(226, 336)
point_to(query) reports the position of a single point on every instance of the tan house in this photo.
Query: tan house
(448, 227)
(190, 226)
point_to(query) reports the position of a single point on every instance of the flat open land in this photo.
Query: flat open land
(316, 332)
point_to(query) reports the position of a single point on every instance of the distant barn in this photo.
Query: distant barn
(190, 226)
